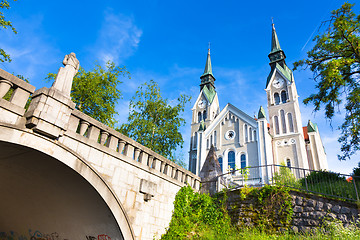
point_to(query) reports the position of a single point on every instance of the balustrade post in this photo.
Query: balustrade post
(168, 170)
(5, 86)
(157, 164)
(129, 150)
(94, 133)
(83, 127)
(103, 137)
(121, 146)
(136, 154)
(150, 161)
(20, 97)
(143, 158)
(113, 142)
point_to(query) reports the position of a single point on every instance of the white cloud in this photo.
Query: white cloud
(118, 38)
(31, 50)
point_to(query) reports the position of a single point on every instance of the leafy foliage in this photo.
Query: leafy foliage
(4, 57)
(96, 92)
(273, 208)
(154, 122)
(195, 213)
(284, 177)
(199, 216)
(356, 171)
(335, 62)
(329, 183)
(11, 91)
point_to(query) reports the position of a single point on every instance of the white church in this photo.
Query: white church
(243, 141)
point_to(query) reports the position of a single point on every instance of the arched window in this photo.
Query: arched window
(195, 140)
(276, 98)
(211, 140)
(231, 160)
(276, 123)
(283, 121)
(194, 165)
(199, 116)
(204, 115)
(207, 143)
(243, 161)
(291, 124)
(250, 133)
(283, 96)
(288, 163)
(254, 135)
(246, 132)
(214, 138)
(221, 163)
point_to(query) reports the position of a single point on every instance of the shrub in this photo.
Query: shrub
(193, 213)
(284, 177)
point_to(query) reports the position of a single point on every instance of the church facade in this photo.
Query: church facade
(243, 141)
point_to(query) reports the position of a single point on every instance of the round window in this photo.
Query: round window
(230, 134)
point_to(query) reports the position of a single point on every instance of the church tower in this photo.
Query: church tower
(284, 111)
(204, 111)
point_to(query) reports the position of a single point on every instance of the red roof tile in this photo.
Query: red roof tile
(306, 135)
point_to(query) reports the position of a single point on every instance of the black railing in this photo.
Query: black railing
(319, 182)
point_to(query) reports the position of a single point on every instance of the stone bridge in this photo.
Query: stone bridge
(64, 175)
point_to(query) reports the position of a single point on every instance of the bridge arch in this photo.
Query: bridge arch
(91, 201)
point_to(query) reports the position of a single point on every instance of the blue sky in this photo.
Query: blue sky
(167, 41)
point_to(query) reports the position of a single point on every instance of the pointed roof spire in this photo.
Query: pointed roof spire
(207, 79)
(261, 113)
(275, 45)
(276, 55)
(208, 68)
(311, 127)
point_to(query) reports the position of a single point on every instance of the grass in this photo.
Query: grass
(333, 231)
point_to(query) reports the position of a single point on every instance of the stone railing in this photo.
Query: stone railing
(21, 91)
(102, 135)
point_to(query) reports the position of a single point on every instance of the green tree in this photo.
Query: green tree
(356, 171)
(335, 62)
(154, 122)
(5, 24)
(96, 92)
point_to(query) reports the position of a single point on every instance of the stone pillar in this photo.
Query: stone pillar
(49, 112)
(50, 109)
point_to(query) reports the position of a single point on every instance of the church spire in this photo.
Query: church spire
(275, 45)
(276, 55)
(208, 68)
(207, 79)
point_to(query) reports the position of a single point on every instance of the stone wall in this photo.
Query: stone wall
(309, 210)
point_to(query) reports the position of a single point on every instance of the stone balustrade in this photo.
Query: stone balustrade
(102, 135)
(13, 109)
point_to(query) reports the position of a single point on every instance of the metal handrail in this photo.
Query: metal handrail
(325, 183)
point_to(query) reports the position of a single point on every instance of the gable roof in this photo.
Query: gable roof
(209, 93)
(229, 108)
(285, 72)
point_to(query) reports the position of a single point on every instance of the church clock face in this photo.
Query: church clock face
(202, 103)
(278, 82)
(229, 135)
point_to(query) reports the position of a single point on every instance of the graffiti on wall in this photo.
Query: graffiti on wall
(37, 235)
(99, 237)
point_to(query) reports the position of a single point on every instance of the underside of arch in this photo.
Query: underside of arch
(48, 191)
